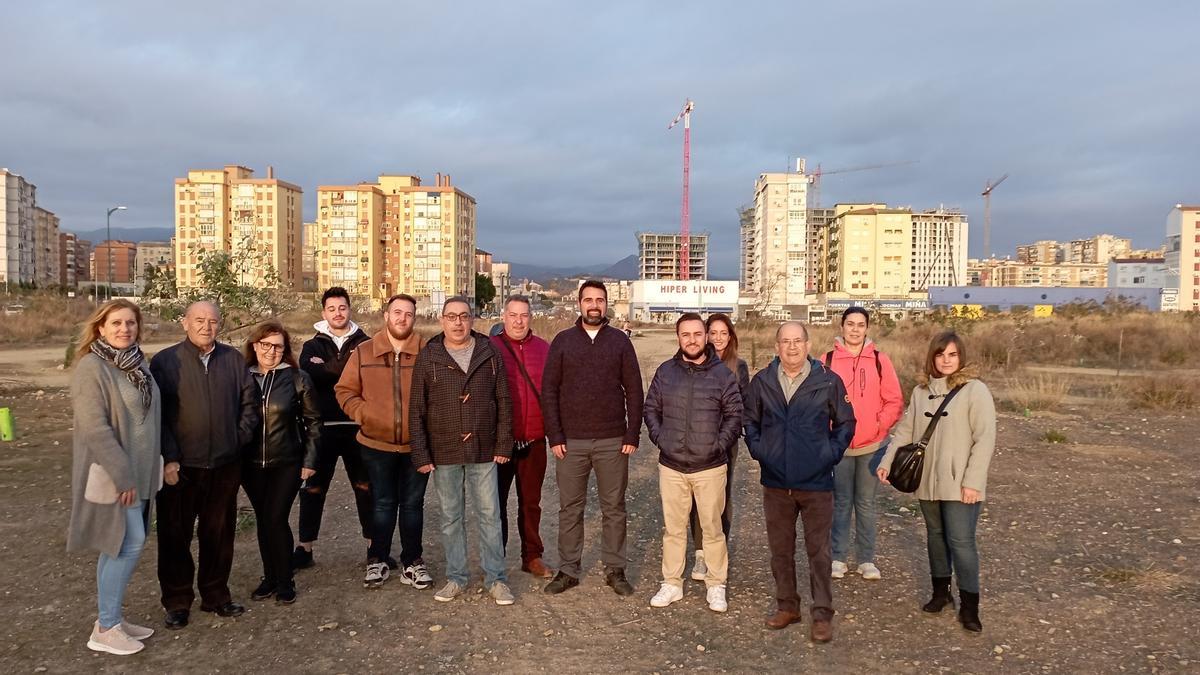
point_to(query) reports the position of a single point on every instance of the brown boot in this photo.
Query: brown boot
(821, 631)
(783, 619)
(537, 568)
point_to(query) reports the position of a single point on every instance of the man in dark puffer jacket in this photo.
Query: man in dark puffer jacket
(693, 412)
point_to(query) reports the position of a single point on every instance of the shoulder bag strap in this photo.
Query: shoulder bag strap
(537, 394)
(941, 412)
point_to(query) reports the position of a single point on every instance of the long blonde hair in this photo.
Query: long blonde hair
(89, 332)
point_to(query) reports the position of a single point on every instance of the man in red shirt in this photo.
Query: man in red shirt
(524, 358)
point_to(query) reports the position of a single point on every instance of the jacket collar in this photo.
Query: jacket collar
(482, 351)
(194, 351)
(816, 371)
(322, 329)
(257, 371)
(380, 344)
(579, 323)
(839, 345)
(710, 359)
(528, 337)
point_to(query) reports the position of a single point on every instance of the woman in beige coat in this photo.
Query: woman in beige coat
(954, 475)
(117, 463)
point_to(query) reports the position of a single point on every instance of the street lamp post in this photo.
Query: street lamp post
(108, 252)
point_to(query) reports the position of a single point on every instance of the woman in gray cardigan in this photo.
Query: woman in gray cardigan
(954, 475)
(117, 463)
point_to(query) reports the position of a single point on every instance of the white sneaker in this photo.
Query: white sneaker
(699, 568)
(451, 591)
(839, 569)
(377, 573)
(869, 571)
(135, 631)
(716, 599)
(666, 594)
(502, 594)
(417, 575)
(113, 641)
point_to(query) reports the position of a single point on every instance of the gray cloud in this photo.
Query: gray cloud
(554, 117)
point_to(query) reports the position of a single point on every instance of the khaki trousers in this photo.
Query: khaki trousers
(678, 490)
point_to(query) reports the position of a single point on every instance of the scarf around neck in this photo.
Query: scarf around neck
(130, 361)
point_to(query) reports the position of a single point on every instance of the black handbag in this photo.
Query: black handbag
(909, 460)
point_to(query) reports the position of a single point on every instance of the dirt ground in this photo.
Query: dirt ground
(1089, 552)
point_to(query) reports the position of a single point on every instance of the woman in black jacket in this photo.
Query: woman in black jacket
(283, 453)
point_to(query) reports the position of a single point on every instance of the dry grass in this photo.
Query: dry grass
(1039, 392)
(1167, 391)
(1145, 577)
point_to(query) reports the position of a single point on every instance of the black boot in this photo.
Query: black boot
(941, 595)
(968, 614)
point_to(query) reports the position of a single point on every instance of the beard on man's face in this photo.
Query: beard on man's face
(593, 317)
(693, 352)
(396, 334)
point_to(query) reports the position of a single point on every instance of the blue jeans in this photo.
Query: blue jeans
(950, 538)
(453, 482)
(854, 485)
(399, 492)
(113, 574)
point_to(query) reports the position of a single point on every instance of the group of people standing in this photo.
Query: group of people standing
(480, 414)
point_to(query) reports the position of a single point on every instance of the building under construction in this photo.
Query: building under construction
(659, 255)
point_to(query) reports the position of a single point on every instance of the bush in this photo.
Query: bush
(1054, 436)
(1164, 391)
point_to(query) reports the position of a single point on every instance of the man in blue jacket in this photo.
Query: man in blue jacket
(799, 423)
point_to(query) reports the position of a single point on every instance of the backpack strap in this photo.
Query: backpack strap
(829, 359)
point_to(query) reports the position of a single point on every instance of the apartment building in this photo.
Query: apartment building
(397, 236)
(74, 255)
(870, 251)
(818, 248)
(308, 257)
(257, 220)
(1045, 252)
(939, 248)
(1013, 273)
(1097, 250)
(1182, 255)
(347, 239)
(429, 235)
(17, 202)
(775, 244)
(660, 255)
(46, 255)
(159, 255)
(114, 262)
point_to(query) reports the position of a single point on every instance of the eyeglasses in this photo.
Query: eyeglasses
(269, 347)
(455, 318)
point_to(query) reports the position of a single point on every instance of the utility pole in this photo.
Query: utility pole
(685, 252)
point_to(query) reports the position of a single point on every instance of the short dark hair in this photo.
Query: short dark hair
(856, 310)
(592, 283)
(400, 296)
(458, 298)
(262, 330)
(689, 316)
(517, 297)
(939, 344)
(335, 292)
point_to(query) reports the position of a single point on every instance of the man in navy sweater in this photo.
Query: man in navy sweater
(592, 407)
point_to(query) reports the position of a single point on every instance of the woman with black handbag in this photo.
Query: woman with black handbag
(954, 472)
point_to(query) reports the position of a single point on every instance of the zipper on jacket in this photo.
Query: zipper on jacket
(687, 418)
(397, 401)
(269, 380)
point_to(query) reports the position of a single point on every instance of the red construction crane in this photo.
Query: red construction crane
(814, 178)
(685, 219)
(987, 214)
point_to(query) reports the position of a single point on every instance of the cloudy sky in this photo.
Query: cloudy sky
(553, 114)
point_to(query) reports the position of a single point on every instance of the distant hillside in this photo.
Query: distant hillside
(625, 268)
(134, 234)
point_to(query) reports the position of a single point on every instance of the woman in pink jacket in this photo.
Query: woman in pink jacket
(874, 392)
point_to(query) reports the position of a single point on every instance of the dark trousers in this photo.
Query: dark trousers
(399, 494)
(612, 477)
(204, 501)
(815, 508)
(338, 440)
(726, 513)
(272, 491)
(528, 469)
